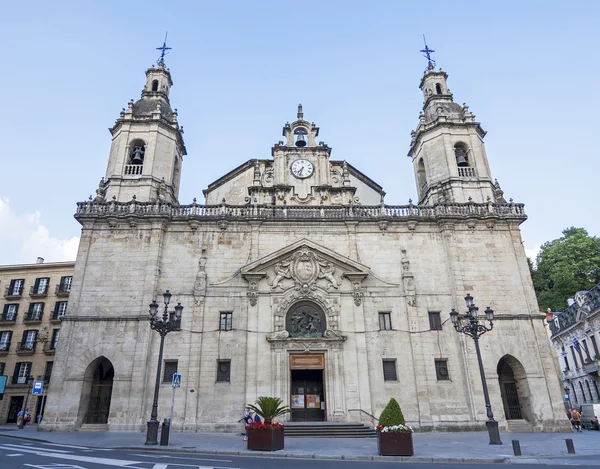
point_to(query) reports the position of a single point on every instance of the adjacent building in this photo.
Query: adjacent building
(34, 299)
(298, 281)
(575, 333)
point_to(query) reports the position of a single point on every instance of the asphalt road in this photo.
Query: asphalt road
(20, 454)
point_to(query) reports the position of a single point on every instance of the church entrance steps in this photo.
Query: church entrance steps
(519, 426)
(94, 427)
(329, 430)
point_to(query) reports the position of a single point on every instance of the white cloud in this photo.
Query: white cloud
(532, 253)
(23, 238)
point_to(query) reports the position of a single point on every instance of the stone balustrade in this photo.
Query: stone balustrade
(282, 212)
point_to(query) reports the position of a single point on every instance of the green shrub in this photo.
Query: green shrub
(392, 414)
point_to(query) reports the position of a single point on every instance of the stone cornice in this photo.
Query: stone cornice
(105, 318)
(518, 317)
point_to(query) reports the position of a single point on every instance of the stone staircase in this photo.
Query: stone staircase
(519, 426)
(329, 430)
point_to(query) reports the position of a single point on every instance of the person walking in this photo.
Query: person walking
(247, 418)
(576, 419)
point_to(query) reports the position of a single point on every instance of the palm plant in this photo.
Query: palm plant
(269, 408)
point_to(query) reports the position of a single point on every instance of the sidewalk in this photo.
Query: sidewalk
(543, 448)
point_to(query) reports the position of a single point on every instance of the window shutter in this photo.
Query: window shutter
(16, 372)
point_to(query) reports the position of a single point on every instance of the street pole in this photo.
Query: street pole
(169, 322)
(152, 435)
(41, 414)
(29, 380)
(491, 424)
(474, 329)
(172, 406)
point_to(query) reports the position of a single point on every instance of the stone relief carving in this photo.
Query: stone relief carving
(304, 267)
(201, 280)
(252, 292)
(408, 280)
(326, 271)
(101, 191)
(282, 271)
(306, 322)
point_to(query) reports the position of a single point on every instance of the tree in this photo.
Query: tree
(565, 266)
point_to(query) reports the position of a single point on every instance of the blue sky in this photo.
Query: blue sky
(526, 69)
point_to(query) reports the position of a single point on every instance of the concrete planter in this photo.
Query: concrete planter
(395, 444)
(265, 440)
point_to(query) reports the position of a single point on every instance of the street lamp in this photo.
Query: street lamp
(474, 329)
(29, 382)
(171, 321)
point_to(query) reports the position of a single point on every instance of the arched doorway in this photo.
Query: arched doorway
(306, 320)
(514, 389)
(99, 376)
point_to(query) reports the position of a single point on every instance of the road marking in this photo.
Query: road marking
(66, 446)
(177, 457)
(75, 457)
(16, 454)
(21, 447)
(55, 466)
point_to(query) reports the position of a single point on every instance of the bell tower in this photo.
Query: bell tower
(447, 148)
(147, 144)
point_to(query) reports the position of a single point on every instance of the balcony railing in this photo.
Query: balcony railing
(591, 367)
(8, 318)
(33, 316)
(4, 348)
(133, 169)
(50, 348)
(13, 293)
(38, 292)
(93, 209)
(57, 316)
(20, 380)
(62, 290)
(26, 348)
(466, 172)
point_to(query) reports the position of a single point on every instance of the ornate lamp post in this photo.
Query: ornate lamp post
(474, 329)
(171, 321)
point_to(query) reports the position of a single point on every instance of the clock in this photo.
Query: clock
(302, 168)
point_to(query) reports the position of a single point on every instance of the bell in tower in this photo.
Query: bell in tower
(137, 155)
(300, 139)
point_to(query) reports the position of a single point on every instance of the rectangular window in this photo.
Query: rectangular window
(226, 321)
(587, 350)
(10, 312)
(55, 336)
(170, 370)
(16, 287)
(60, 309)
(441, 369)
(385, 321)
(65, 284)
(48, 371)
(595, 345)
(223, 370)
(574, 357)
(389, 370)
(435, 322)
(41, 286)
(567, 364)
(29, 339)
(22, 372)
(5, 340)
(35, 312)
(2, 366)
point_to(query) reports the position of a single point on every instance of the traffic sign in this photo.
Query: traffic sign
(38, 387)
(176, 380)
(3, 380)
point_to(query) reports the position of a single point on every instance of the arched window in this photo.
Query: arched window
(155, 85)
(135, 160)
(438, 88)
(587, 383)
(596, 388)
(462, 154)
(305, 319)
(300, 135)
(574, 393)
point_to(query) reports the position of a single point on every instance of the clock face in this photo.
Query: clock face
(302, 168)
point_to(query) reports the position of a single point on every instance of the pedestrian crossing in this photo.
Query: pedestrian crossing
(42, 455)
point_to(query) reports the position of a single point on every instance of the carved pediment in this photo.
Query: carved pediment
(305, 265)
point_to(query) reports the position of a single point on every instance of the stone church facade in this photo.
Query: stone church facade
(298, 281)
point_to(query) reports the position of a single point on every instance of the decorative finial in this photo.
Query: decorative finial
(300, 113)
(163, 50)
(427, 54)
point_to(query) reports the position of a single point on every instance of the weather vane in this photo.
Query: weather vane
(163, 50)
(427, 54)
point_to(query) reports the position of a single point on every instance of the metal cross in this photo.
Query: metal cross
(427, 54)
(163, 50)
